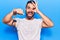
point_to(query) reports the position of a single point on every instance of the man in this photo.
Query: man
(28, 28)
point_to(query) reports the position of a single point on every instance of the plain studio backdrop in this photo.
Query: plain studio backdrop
(48, 7)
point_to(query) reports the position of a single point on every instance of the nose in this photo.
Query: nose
(31, 10)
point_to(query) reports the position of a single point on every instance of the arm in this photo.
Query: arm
(46, 21)
(8, 18)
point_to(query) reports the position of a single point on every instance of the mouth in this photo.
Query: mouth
(30, 13)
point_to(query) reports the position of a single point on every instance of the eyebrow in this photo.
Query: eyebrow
(33, 8)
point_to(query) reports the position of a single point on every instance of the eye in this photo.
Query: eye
(34, 8)
(28, 7)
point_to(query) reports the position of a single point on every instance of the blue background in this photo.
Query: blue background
(49, 7)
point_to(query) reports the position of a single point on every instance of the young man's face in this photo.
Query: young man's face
(30, 10)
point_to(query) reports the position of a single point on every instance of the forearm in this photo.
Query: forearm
(45, 19)
(8, 17)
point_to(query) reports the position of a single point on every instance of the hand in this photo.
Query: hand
(36, 7)
(17, 11)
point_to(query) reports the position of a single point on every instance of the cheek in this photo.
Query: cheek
(27, 10)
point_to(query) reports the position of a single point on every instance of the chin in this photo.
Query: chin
(29, 17)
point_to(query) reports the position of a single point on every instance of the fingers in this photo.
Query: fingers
(35, 5)
(18, 11)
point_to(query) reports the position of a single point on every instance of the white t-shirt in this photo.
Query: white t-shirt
(29, 29)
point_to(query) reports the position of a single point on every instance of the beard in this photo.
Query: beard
(31, 15)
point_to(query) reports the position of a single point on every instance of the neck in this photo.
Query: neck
(29, 18)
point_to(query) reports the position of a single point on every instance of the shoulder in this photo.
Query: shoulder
(18, 18)
(40, 19)
(18, 21)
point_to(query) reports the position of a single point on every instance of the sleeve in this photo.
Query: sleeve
(17, 20)
(41, 22)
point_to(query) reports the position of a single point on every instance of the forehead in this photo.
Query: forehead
(30, 5)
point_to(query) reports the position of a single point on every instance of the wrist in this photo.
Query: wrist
(38, 11)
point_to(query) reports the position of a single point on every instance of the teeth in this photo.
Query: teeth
(30, 13)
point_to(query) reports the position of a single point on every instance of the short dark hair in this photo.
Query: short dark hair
(30, 2)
